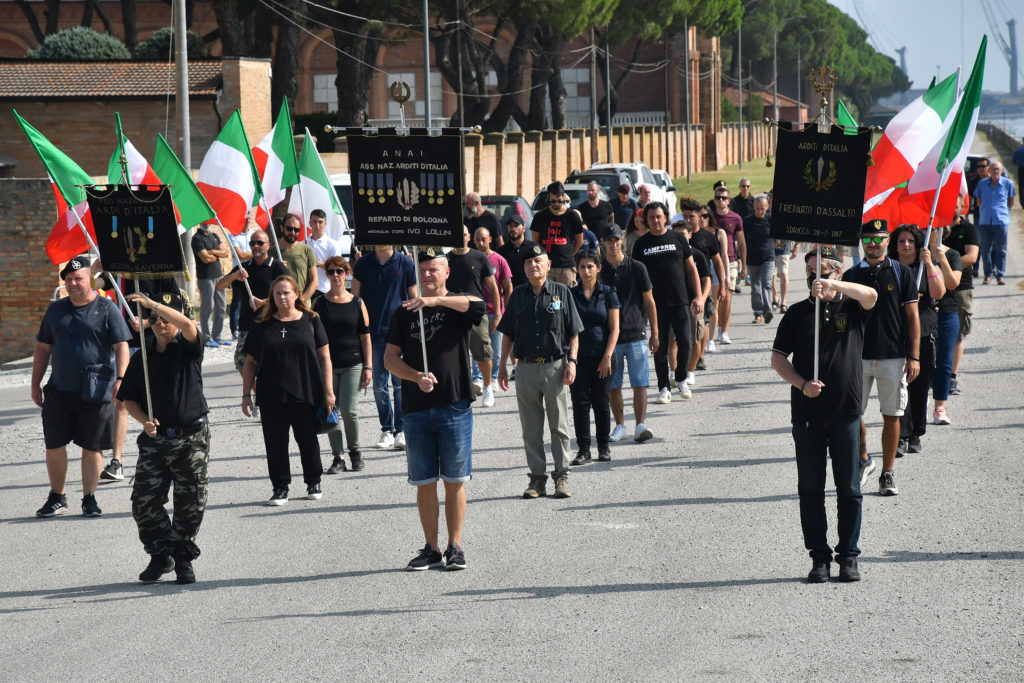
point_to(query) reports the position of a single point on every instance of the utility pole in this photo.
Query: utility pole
(1012, 25)
(184, 129)
(426, 62)
(686, 71)
(593, 99)
(608, 88)
(739, 82)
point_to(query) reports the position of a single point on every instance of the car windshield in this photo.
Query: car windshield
(608, 182)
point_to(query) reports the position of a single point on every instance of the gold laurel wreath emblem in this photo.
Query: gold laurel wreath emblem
(825, 184)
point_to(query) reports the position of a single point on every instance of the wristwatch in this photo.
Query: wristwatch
(571, 360)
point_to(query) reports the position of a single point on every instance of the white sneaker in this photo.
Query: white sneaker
(488, 397)
(478, 386)
(690, 379)
(723, 338)
(642, 433)
(399, 441)
(718, 337)
(711, 346)
(664, 397)
(618, 433)
(386, 440)
(684, 390)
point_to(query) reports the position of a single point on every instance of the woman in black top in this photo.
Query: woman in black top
(906, 244)
(348, 334)
(287, 352)
(598, 306)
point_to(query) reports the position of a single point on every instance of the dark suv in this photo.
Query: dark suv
(609, 181)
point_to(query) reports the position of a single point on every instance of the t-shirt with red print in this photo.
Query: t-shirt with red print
(557, 234)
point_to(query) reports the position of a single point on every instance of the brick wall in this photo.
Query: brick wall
(28, 276)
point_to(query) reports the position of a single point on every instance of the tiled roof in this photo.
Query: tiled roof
(37, 80)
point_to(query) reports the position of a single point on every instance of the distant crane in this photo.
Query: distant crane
(902, 52)
(1009, 49)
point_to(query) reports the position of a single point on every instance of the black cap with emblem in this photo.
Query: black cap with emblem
(429, 254)
(876, 227)
(77, 263)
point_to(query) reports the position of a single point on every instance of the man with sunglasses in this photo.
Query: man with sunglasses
(731, 222)
(743, 203)
(560, 231)
(300, 257)
(980, 172)
(259, 271)
(175, 441)
(892, 342)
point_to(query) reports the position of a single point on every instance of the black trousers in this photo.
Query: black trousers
(590, 391)
(676, 318)
(914, 420)
(277, 419)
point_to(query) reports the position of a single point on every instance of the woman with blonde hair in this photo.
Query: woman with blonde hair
(287, 352)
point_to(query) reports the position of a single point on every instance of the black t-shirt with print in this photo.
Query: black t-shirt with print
(665, 257)
(557, 235)
(447, 336)
(840, 367)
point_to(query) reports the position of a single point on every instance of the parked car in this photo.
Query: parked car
(639, 174)
(608, 180)
(664, 180)
(504, 206)
(577, 195)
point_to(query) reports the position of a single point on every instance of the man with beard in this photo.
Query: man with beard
(300, 257)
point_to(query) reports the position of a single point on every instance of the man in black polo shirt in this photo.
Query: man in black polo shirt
(516, 249)
(963, 239)
(891, 345)
(673, 273)
(259, 271)
(175, 441)
(633, 285)
(559, 230)
(597, 214)
(541, 328)
(826, 410)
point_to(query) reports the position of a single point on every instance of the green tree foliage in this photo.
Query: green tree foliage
(80, 43)
(158, 46)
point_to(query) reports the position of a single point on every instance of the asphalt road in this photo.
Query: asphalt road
(682, 559)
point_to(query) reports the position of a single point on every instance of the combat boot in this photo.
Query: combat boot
(158, 566)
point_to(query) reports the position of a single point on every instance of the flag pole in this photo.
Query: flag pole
(271, 230)
(943, 177)
(817, 317)
(238, 261)
(419, 290)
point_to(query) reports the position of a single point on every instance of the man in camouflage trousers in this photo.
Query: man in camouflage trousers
(174, 445)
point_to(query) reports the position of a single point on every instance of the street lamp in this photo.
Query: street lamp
(775, 65)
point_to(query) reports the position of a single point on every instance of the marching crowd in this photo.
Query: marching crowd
(565, 313)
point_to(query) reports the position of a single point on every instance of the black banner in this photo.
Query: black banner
(819, 185)
(136, 229)
(406, 189)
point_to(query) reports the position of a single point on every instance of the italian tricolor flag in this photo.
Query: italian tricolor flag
(228, 177)
(942, 171)
(315, 191)
(276, 163)
(67, 238)
(909, 137)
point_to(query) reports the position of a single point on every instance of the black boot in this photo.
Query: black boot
(357, 459)
(337, 466)
(604, 452)
(582, 457)
(158, 566)
(183, 569)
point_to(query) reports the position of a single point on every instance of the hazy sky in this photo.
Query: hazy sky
(943, 33)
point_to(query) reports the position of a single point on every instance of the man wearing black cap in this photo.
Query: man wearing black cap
(891, 345)
(541, 328)
(175, 441)
(516, 249)
(623, 206)
(86, 338)
(437, 405)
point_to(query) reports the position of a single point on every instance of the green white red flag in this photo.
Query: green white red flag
(66, 237)
(228, 177)
(909, 137)
(315, 191)
(276, 163)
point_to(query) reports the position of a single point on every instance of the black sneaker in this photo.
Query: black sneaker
(848, 570)
(89, 507)
(56, 504)
(915, 445)
(902, 448)
(887, 484)
(819, 572)
(428, 558)
(113, 471)
(604, 454)
(582, 458)
(455, 559)
(280, 497)
(158, 566)
(184, 571)
(768, 315)
(338, 465)
(313, 492)
(701, 365)
(357, 460)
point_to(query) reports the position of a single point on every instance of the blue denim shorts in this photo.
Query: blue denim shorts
(635, 353)
(439, 444)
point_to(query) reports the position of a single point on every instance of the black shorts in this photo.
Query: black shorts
(67, 418)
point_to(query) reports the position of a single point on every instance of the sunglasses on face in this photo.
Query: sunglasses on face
(256, 243)
(745, 187)
(722, 197)
(154, 319)
(877, 239)
(556, 202)
(336, 271)
(705, 216)
(288, 229)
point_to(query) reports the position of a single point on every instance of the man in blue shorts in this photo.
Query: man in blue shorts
(633, 285)
(436, 404)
